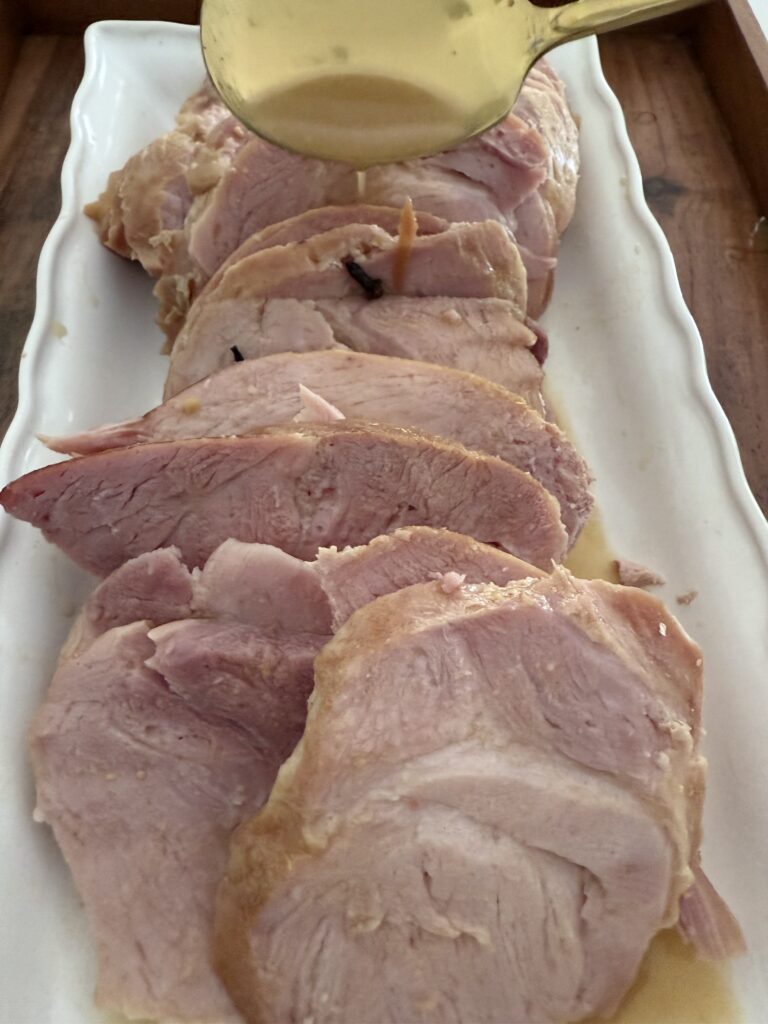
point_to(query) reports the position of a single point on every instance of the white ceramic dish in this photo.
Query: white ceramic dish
(627, 366)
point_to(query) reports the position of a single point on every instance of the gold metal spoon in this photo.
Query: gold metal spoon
(371, 82)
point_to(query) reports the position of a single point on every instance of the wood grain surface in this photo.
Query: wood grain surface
(694, 183)
(739, 83)
(34, 135)
(701, 196)
(71, 16)
(10, 32)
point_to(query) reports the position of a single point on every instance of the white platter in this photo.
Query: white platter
(627, 367)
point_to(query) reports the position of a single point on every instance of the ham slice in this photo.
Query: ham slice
(356, 576)
(134, 711)
(256, 584)
(187, 201)
(299, 487)
(157, 738)
(252, 394)
(176, 291)
(151, 746)
(469, 829)
(465, 261)
(264, 587)
(528, 162)
(481, 336)
(142, 212)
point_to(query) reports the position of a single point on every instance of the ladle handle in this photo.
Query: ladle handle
(585, 17)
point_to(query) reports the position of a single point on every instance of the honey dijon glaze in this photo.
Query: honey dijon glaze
(365, 82)
(373, 81)
(591, 557)
(361, 118)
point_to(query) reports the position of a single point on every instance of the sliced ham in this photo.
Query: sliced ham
(296, 229)
(155, 587)
(142, 212)
(190, 199)
(526, 160)
(544, 215)
(299, 487)
(496, 176)
(266, 185)
(266, 588)
(416, 554)
(482, 336)
(154, 743)
(326, 218)
(469, 829)
(149, 749)
(190, 282)
(512, 157)
(263, 586)
(255, 584)
(464, 261)
(466, 408)
(543, 104)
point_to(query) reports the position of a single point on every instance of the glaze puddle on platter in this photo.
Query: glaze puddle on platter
(674, 986)
(592, 557)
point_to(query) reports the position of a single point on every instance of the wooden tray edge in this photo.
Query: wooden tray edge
(733, 54)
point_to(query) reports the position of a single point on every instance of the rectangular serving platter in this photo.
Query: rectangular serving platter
(626, 369)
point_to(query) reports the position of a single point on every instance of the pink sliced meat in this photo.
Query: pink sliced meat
(191, 198)
(149, 749)
(491, 813)
(356, 576)
(255, 584)
(299, 487)
(255, 393)
(176, 291)
(481, 336)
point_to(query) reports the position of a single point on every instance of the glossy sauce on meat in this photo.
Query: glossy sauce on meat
(592, 557)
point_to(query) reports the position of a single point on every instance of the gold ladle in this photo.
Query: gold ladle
(373, 81)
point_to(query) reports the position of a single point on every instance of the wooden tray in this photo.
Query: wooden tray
(694, 90)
